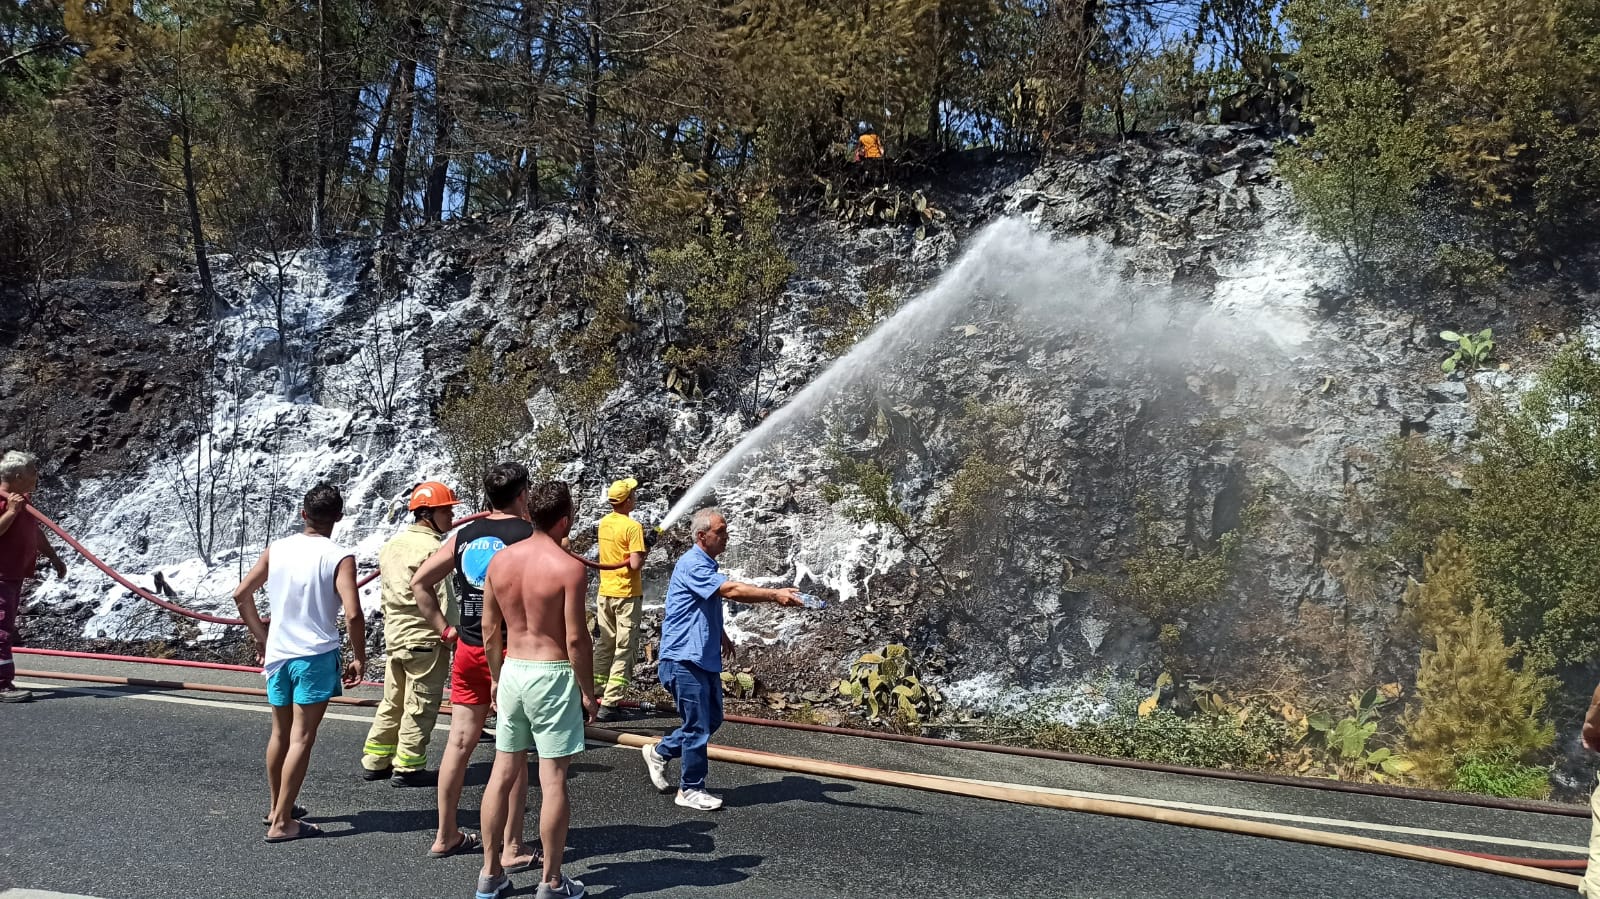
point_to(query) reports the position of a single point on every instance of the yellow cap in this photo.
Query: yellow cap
(621, 490)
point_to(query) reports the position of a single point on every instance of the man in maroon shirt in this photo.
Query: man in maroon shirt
(21, 545)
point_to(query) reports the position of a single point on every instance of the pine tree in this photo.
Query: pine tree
(1473, 698)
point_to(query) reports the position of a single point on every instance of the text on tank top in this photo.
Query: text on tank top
(305, 603)
(476, 544)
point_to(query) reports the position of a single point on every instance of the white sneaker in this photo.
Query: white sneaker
(699, 800)
(656, 765)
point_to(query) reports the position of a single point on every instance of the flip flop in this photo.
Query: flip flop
(299, 812)
(470, 842)
(535, 860)
(303, 832)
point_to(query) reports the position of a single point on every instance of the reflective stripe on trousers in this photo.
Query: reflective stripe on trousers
(616, 650)
(413, 688)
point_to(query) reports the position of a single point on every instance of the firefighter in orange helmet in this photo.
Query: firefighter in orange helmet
(418, 659)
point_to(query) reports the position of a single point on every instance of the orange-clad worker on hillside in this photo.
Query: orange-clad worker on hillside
(418, 658)
(868, 144)
(622, 542)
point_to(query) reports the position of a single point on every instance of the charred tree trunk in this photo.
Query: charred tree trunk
(443, 118)
(405, 123)
(530, 182)
(588, 151)
(1084, 38)
(319, 200)
(369, 169)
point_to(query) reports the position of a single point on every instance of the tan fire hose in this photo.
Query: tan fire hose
(1024, 796)
(957, 787)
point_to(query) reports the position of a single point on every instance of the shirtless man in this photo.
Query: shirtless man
(544, 687)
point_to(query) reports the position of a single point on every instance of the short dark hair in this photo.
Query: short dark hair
(324, 504)
(549, 502)
(504, 483)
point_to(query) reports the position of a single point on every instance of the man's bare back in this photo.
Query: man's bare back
(537, 589)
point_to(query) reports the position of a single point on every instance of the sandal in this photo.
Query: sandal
(304, 831)
(470, 842)
(535, 859)
(299, 812)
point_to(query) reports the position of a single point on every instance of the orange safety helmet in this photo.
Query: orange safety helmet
(431, 495)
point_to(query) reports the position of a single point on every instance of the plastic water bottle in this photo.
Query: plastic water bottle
(812, 602)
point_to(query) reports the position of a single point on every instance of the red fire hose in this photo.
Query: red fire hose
(138, 660)
(141, 660)
(112, 573)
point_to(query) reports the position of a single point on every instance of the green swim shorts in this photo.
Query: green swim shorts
(540, 707)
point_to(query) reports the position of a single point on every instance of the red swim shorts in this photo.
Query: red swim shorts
(469, 676)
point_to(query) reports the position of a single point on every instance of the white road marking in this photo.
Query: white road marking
(40, 894)
(1342, 823)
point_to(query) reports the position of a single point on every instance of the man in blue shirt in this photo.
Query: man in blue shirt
(692, 644)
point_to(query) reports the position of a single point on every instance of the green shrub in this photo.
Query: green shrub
(1358, 173)
(1396, 516)
(1446, 592)
(1468, 268)
(865, 492)
(580, 400)
(481, 419)
(1532, 528)
(886, 685)
(1163, 580)
(1471, 350)
(1246, 740)
(1501, 774)
(1347, 741)
(979, 511)
(1414, 493)
(728, 274)
(858, 321)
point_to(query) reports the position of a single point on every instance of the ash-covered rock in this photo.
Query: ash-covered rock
(1212, 380)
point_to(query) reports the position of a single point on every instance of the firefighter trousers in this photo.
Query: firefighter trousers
(413, 686)
(617, 648)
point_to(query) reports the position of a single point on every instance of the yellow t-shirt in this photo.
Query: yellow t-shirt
(620, 536)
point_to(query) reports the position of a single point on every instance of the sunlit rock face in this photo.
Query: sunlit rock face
(1155, 312)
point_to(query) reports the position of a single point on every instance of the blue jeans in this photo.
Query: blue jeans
(698, 693)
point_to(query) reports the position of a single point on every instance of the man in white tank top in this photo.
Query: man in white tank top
(309, 578)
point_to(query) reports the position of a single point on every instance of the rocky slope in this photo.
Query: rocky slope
(1198, 371)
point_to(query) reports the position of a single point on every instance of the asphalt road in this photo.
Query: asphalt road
(116, 793)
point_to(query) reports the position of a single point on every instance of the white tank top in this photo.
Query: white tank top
(305, 605)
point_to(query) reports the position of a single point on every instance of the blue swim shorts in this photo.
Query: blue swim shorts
(305, 681)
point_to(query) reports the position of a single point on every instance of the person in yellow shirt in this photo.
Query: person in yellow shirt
(418, 660)
(617, 607)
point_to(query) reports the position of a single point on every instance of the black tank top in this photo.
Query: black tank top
(476, 544)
